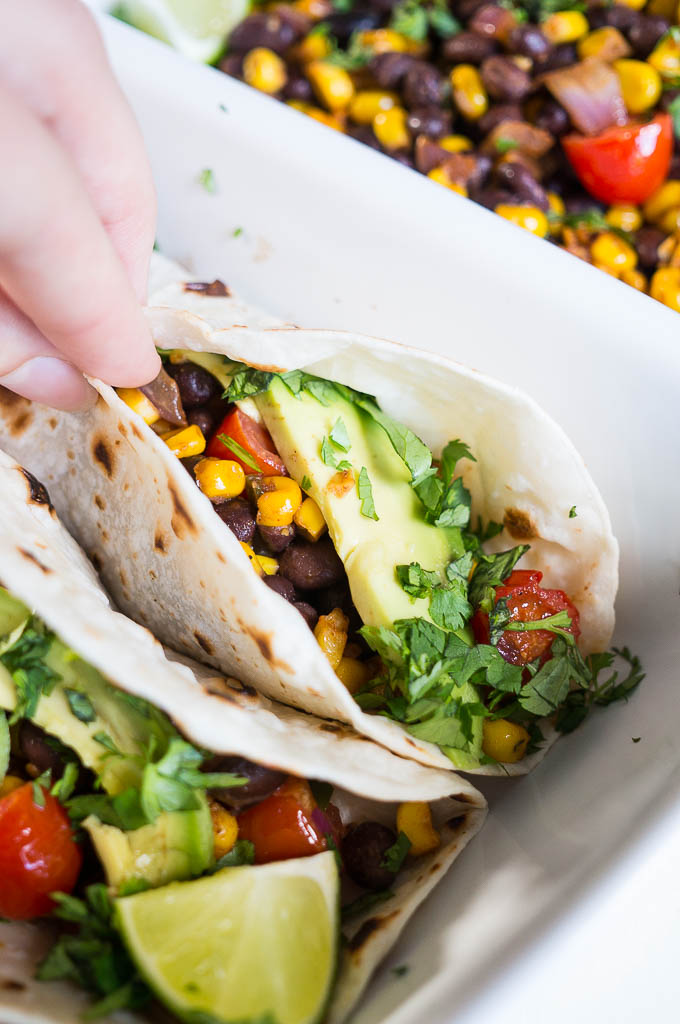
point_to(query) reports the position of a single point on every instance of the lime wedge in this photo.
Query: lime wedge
(245, 944)
(198, 28)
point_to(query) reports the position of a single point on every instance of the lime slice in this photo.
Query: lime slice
(198, 28)
(245, 944)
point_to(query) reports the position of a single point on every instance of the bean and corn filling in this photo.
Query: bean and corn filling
(560, 117)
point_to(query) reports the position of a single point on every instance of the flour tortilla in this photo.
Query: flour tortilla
(42, 566)
(172, 564)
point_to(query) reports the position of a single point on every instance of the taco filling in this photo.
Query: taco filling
(345, 513)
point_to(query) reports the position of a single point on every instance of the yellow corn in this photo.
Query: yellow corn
(386, 40)
(636, 5)
(332, 84)
(353, 674)
(314, 46)
(279, 503)
(389, 128)
(606, 43)
(612, 252)
(640, 84)
(331, 635)
(665, 287)
(9, 784)
(439, 175)
(528, 217)
(565, 27)
(220, 478)
(624, 216)
(665, 8)
(557, 206)
(225, 829)
(670, 222)
(186, 441)
(605, 268)
(309, 520)
(665, 57)
(468, 91)
(369, 102)
(254, 560)
(333, 121)
(264, 70)
(504, 741)
(314, 9)
(455, 143)
(140, 404)
(269, 566)
(636, 279)
(665, 197)
(415, 821)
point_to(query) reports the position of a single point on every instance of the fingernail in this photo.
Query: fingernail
(53, 382)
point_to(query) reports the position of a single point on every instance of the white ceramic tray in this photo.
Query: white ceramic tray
(568, 903)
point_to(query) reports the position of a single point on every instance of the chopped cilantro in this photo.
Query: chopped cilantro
(442, 21)
(237, 232)
(592, 693)
(674, 111)
(39, 786)
(306, 483)
(491, 571)
(327, 454)
(80, 705)
(572, 512)
(364, 903)
(356, 56)
(395, 856)
(636, 739)
(242, 852)
(365, 492)
(206, 180)
(505, 145)
(339, 435)
(248, 382)
(238, 451)
(63, 787)
(401, 970)
(409, 18)
(25, 661)
(322, 792)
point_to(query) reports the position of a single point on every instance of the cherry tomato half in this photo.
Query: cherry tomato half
(249, 435)
(625, 164)
(281, 827)
(38, 854)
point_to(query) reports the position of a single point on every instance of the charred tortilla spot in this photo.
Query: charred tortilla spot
(369, 928)
(122, 428)
(215, 287)
(519, 524)
(99, 502)
(221, 558)
(52, 423)
(181, 520)
(159, 542)
(96, 562)
(10, 985)
(37, 492)
(203, 642)
(103, 455)
(123, 577)
(136, 431)
(330, 727)
(70, 454)
(264, 642)
(456, 822)
(31, 557)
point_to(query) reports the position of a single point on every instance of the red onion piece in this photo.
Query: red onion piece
(590, 92)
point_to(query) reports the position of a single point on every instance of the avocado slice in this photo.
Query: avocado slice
(370, 549)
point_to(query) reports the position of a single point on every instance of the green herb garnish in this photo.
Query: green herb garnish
(365, 492)
(396, 855)
(80, 705)
(206, 180)
(239, 451)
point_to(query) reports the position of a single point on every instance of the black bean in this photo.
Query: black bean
(647, 242)
(203, 419)
(468, 48)
(35, 748)
(498, 113)
(309, 614)
(581, 204)
(263, 29)
(529, 41)
(493, 21)
(491, 197)
(196, 385)
(616, 16)
(504, 80)
(277, 538)
(518, 178)
(190, 464)
(422, 86)
(262, 781)
(363, 133)
(466, 8)
(431, 121)
(297, 88)
(344, 23)
(336, 596)
(674, 169)
(560, 57)
(388, 69)
(284, 588)
(646, 32)
(238, 516)
(363, 853)
(312, 566)
(232, 65)
(553, 118)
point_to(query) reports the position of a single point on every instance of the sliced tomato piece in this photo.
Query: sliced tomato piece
(253, 438)
(38, 854)
(625, 164)
(282, 826)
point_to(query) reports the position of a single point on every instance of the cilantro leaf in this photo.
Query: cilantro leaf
(207, 180)
(322, 792)
(572, 512)
(394, 857)
(327, 454)
(491, 572)
(365, 492)
(595, 693)
(242, 852)
(410, 19)
(306, 484)
(674, 110)
(548, 689)
(239, 451)
(339, 435)
(416, 581)
(364, 903)
(25, 661)
(169, 783)
(248, 382)
(80, 705)
(64, 786)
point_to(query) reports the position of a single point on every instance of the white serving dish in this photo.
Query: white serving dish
(568, 902)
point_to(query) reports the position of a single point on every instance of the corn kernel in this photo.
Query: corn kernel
(389, 128)
(415, 821)
(528, 217)
(332, 84)
(665, 57)
(640, 84)
(269, 566)
(504, 741)
(369, 102)
(565, 27)
(333, 121)
(665, 287)
(468, 91)
(274, 508)
(314, 9)
(225, 829)
(309, 520)
(386, 40)
(636, 5)
(665, 197)
(455, 143)
(140, 404)
(254, 560)
(9, 784)
(439, 175)
(636, 279)
(220, 478)
(670, 222)
(264, 70)
(605, 43)
(613, 252)
(624, 216)
(331, 635)
(557, 207)
(186, 441)
(353, 674)
(314, 46)
(664, 8)
(606, 269)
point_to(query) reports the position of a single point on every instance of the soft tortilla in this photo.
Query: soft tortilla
(171, 563)
(41, 565)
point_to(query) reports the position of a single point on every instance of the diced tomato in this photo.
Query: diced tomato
(253, 438)
(38, 854)
(625, 164)
(281, 827)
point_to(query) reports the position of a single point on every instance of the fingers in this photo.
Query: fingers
(58, 264)
(77, 97)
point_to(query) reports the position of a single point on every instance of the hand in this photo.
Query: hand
(78, 211)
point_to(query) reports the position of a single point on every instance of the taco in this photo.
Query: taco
(200, 838)
(365, 531)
